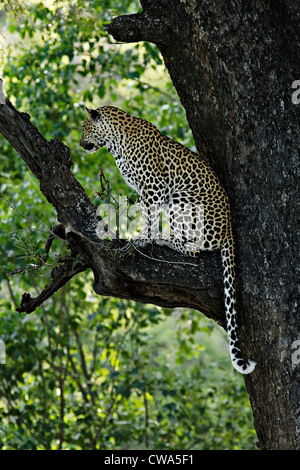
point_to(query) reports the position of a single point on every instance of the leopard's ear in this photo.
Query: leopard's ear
(92, 112)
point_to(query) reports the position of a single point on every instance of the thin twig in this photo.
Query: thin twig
(11, 294)
(84, 366)
(9, 204)
(34, 229)
(146, 420)
(162, 260)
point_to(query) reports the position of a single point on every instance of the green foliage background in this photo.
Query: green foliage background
(86, 372)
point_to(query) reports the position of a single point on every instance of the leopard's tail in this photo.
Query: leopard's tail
(228, 263)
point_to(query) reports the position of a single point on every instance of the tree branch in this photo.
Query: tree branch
(156, 275)
(60, 277)
(149, 25)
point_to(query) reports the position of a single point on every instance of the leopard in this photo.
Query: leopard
(168, 175)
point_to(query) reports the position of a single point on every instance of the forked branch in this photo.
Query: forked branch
(154, 275)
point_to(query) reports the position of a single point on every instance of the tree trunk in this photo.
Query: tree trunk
(233, 64)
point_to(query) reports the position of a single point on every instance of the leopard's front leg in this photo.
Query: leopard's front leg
(150, 223)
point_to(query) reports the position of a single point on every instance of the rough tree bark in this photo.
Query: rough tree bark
(232, 64)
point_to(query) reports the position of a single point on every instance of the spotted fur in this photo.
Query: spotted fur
(166, 174)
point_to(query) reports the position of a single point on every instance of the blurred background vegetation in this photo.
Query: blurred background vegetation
(86, 372)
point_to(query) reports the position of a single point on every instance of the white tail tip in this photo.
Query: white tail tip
(244, 367)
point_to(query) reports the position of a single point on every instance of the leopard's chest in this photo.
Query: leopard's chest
(142, 170)
(130, 173)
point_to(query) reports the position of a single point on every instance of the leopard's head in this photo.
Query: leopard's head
(101, 128)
